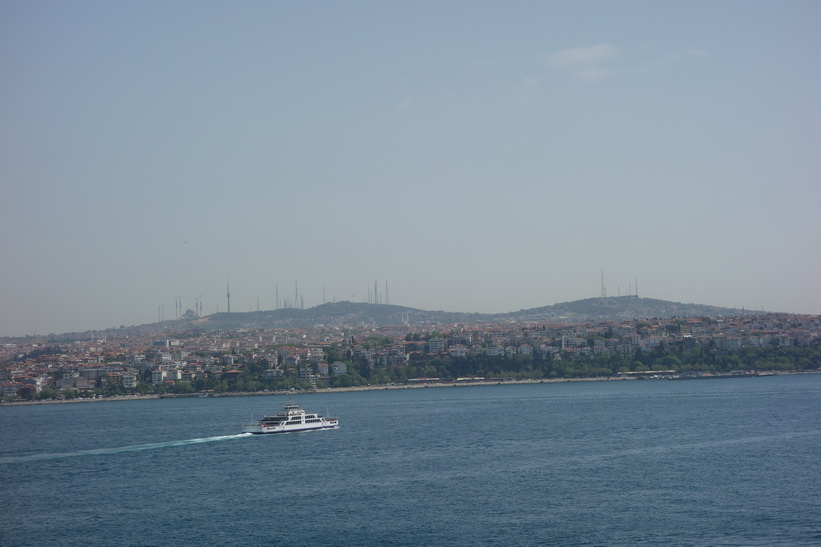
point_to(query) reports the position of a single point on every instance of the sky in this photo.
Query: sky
(473, 156)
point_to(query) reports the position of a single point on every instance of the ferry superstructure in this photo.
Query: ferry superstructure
(290, 418)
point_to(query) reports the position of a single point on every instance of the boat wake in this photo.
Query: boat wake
(117, 450)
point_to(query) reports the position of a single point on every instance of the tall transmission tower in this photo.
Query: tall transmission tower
(603, 289)
(228, 293)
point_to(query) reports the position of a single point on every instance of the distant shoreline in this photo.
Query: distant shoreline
(315, 391)
(351, 389)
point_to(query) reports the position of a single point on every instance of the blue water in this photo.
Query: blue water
(709, 462)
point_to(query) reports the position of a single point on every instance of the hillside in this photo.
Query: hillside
(618, 309)
(361, 315)
(355, 314)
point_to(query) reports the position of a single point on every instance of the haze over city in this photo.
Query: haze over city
(476, 156)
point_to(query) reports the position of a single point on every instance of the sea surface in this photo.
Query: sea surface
(702, 462)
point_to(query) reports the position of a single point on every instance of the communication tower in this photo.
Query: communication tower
(228, 293)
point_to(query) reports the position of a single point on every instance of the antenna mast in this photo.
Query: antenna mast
(228, 293)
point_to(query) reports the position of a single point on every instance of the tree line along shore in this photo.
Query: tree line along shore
(434, 384)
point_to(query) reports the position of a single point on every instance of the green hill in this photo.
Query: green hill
(356, 314)
(361, 315)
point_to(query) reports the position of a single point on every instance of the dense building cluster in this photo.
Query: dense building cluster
(253, 360)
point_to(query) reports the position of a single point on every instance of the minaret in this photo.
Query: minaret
(228, 293)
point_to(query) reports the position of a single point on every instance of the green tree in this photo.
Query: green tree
(182, 386)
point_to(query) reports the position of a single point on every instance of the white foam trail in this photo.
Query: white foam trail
(117, 450)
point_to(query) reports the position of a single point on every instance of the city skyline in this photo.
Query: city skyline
(479, 157)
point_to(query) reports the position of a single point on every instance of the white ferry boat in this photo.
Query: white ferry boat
(290, 418)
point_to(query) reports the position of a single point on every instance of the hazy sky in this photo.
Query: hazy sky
(477, 156)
